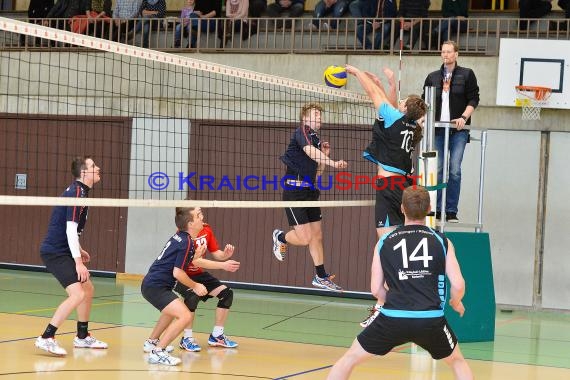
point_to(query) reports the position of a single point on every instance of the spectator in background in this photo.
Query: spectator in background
(414, 28)
(37, 9)
(331, 8)
(533, 9)
(377, 28)
(256, 9)
(151, 10)
(360, 9)
(455, 14)
(236, 21)
(564, 24)
(124, 13)
(66, 9)
(207, 11)
(183, 28)
(290, 8)
(95, 21)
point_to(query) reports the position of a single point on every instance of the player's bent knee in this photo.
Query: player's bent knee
(191, 301)
(226, 298)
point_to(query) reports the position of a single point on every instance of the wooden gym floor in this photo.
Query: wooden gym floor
(280, 336)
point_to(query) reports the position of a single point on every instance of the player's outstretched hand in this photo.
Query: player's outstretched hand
(230, 265)
(351, 69)
(228, 251)
(341, 164)
(389, 73)
(458, 307)
(200, 290)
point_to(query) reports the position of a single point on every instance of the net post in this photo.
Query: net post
(481, 181)
(430, 119)
(427, 164)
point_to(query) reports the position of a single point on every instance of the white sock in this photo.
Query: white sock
(218, 330)
(187, 333)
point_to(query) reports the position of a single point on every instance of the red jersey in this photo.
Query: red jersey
(205, 237)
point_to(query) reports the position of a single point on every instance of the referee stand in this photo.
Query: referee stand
(473, 249)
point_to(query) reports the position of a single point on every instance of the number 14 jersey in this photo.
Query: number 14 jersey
(413, 262)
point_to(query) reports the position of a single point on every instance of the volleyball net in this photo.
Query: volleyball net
(162, 127)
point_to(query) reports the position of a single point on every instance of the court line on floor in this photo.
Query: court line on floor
(150, 370)
(302, 373)
(61, 333)
(295, 315)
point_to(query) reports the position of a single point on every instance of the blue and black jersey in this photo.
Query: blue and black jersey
(299, 165)
(55, 241)
(392, 136)
(413, 262)
(178, 252)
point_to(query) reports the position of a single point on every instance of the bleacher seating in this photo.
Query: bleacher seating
(482, 37)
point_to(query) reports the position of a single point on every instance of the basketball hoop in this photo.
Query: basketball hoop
(532, 99)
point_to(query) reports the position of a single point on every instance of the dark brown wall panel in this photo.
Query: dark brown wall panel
(348, 232)
(42, 147)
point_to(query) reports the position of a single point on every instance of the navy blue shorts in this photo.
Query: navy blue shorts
(159, 297)
(61, 266)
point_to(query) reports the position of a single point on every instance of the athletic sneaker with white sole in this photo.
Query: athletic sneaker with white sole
(221, 341)
(162, 357)
(189, 344)
(89, 342)
(326, 283)
(150, 344)
(279, 248)
(50, 345)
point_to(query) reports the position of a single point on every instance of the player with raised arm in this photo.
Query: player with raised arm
(396, 131)
(306, 158)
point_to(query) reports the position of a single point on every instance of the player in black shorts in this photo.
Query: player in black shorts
(306, 158)
(414, 261)
(65, 259)
(169, 267)
(396, 131)
(214, 287)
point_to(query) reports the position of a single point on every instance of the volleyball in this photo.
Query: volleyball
(335, 76)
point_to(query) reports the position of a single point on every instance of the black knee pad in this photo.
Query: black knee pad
(226, 298)
(191, 300)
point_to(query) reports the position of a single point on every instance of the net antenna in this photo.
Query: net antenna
(531, 99)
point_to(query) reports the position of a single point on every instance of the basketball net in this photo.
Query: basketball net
(531, 100)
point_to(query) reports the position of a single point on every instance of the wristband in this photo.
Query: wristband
(464, 117)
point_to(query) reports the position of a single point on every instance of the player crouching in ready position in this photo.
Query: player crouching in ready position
(205, 239)
(169, 267)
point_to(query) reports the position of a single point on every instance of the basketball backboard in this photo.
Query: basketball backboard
(526, 62)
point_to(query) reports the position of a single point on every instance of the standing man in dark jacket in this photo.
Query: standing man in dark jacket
(413, 11)
(37, 9)
(457, 96)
